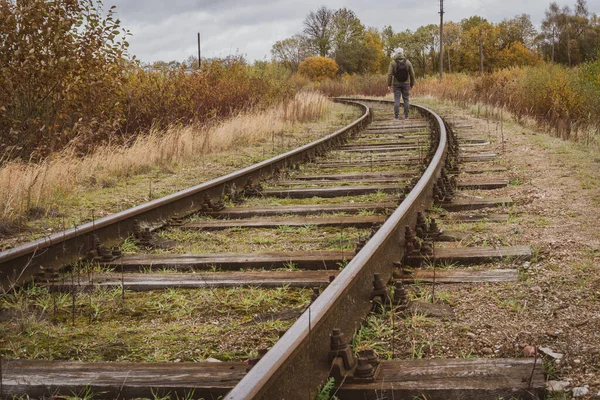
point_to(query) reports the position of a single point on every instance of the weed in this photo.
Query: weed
(416, 320)
(188, 395)
(84, 394)
(419, 348)
(516, 182)
(157, 396)
(513, 305)
(541, 221)
(434, 208)
(550, 369)
(285, 228)
(366, 213)
(290, 266)
(467, 355)
(325, 392)
(129, 246)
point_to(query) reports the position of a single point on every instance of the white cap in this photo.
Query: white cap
(399, 53)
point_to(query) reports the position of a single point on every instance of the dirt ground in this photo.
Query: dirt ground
(555, 305)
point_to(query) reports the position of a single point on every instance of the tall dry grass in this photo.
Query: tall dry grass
(346, 85)
(24, 186)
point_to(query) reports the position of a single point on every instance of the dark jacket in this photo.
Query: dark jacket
(392, 81)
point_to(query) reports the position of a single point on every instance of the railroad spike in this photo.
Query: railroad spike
(315, 294)
(364, 370)
(370, 355)
(102, 252)
(426, 248)
(421, 228)
(434, 230)
(380, 296)
(341, 359)
(116, 252)
(339, 348)
(254, 360)
(401, 298)
(252, 189)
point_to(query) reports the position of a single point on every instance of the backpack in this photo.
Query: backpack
(401, 74)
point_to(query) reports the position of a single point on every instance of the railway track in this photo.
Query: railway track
(367, 186)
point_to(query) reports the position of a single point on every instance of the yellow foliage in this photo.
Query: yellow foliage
(374, 51)
(318, 68)
(516, 54)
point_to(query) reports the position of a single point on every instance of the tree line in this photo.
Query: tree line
(567, 36)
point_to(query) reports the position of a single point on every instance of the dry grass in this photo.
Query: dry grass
(24, 186)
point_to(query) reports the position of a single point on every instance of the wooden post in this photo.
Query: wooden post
(199, 53)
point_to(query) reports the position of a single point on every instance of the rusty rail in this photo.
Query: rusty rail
(23, 262)
(298, 362)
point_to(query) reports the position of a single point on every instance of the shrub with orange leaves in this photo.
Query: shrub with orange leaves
(318, 68)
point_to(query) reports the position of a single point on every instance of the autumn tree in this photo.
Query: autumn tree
(420, 48)
(348, 40)
(389, 41)
(570, 37)
(291, 51)
(479, 47)
(373, 60)
(318, 29)
(518, 29)
(516, 54)
(452, 32)
(61, 71)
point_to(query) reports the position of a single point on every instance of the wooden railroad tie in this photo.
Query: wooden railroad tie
(328, 192)
(434, 378)
(353, 208)
(351, 221)
(140, 282)
(324, 259)
(475, 204)
(477, 217)
(470, 255)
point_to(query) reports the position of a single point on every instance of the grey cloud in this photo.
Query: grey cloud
(167, 30)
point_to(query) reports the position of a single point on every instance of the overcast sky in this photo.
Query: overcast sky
(166, 30)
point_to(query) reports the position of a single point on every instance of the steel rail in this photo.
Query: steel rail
(298, 362)
(23, 262)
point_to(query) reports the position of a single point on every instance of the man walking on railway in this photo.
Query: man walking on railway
(401, 78)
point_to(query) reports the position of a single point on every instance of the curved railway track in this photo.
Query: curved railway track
(399, 167)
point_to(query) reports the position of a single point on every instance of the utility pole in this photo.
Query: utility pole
(480, 53)
(199, 54)
(441, 39)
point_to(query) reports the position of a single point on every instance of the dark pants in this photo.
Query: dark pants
(401, 90)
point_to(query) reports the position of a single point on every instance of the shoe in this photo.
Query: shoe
(406, 117)
(396, 118)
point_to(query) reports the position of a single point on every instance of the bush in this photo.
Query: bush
(222, 88)
(565, 99)
(61, 71)
(318, 68)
